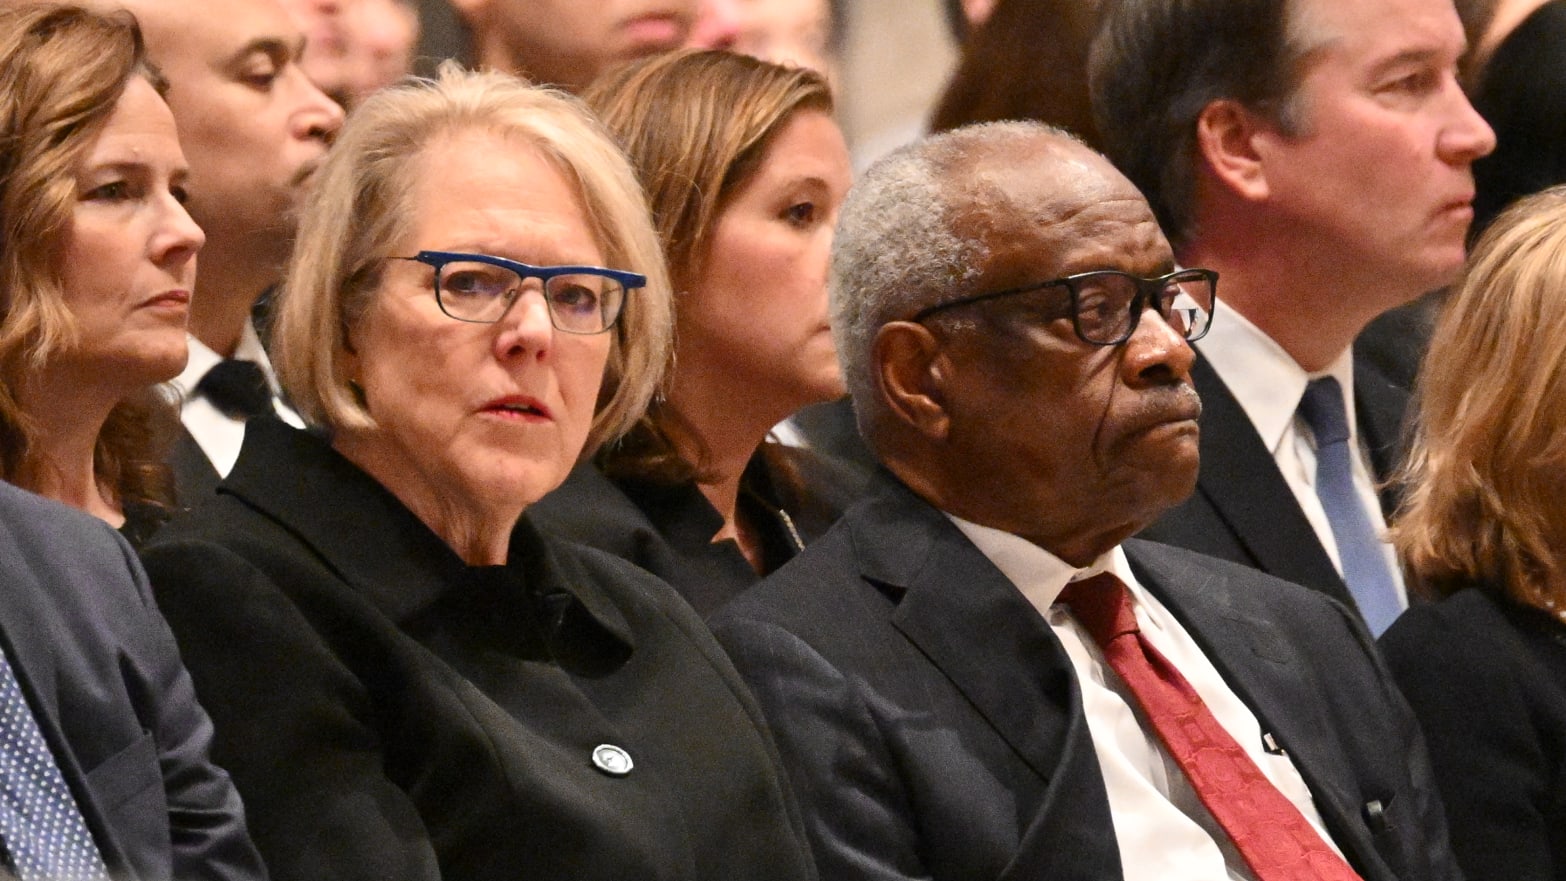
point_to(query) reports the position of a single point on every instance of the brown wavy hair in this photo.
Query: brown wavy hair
(63, 69)
(695, 125)
(1487, 469)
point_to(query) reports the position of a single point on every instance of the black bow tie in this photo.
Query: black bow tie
(237, 388)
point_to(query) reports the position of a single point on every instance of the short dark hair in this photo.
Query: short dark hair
(1156, 64)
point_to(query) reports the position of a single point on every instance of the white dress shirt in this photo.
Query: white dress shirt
(218, 435)
(1268, 385)
(1163, 831)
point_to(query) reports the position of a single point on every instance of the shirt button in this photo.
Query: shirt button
(612, 760)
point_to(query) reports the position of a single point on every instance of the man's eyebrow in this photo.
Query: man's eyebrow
(275, 47)
(1415, 56)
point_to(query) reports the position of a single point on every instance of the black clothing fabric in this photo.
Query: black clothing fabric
(1487, 680)
(389, 712)
(668, 529)
(1522, 94)
(1244, 511)
(933, 728)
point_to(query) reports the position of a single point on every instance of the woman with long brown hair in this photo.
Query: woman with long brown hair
(97, 259)
(745, 168)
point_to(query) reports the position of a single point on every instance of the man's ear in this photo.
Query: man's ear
(1228, 138)
(912, 372)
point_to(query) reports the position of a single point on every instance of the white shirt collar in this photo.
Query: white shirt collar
(1263, 378)
(1039, 574)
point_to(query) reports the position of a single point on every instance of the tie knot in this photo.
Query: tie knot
(237, 388)
(1102, 605)
(1322, 407)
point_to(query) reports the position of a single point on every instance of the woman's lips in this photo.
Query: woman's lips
(517, 407)
(168, 300)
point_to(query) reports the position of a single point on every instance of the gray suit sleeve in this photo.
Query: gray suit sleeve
(207, 833)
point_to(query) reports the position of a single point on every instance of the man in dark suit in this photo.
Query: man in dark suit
(1317, 154)
(101, 675)
(941, 677)
(253, 128)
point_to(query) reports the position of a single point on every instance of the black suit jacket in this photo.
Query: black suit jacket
(103, 678)
(391, 713)
(195, 480)
(933, 727)
(1243, 510)
(1487, 679)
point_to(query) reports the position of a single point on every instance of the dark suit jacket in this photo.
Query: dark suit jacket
(1487, 680)
(1243, 510)
(104, 680)
(391, 713)
(195, 480)
(933, 727)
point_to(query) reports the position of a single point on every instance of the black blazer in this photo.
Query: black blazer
(1243, 510)
(933, 727)
(1487, 680)
(391, 713)
(103, 678)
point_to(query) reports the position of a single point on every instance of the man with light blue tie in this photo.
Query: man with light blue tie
(103, 748)
(1316, 154)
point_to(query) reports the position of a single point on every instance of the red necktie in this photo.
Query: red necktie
(1271, 834)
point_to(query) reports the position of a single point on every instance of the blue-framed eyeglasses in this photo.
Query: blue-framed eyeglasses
(1107, 304)
(481, 288)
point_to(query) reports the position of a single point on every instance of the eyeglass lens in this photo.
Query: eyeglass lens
(1105, 302)
(480, 292)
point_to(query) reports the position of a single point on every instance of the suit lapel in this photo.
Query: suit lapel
(28, 640)
(1236, 631)
(195, 480)
(1240, 478)
(980, 632)
(1379, 407)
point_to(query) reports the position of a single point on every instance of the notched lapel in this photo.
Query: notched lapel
(1240, 479)
(978, 630)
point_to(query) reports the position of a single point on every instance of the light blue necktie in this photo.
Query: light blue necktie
(42, 828)
(1359, 548)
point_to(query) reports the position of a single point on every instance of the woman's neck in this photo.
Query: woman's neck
(61, 465)
(480, 535)
(727, 434)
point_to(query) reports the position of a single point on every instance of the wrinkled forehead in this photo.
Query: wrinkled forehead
(1058, 213)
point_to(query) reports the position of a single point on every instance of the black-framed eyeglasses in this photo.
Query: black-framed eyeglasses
(481, 288)
(1107, 304)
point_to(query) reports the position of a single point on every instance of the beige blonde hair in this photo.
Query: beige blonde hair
(696, 125)
(63, 69)
(1486, 475)
(361, 208)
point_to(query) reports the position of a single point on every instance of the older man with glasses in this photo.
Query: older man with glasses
(976, 674)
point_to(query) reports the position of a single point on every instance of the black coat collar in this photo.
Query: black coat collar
(372, 541)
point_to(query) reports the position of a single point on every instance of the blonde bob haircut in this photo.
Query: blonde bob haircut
(1487, 469)
(361, 210)
(696, 125)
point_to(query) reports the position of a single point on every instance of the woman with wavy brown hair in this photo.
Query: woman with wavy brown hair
(97, 258)
(1483, 530)
(745, 169)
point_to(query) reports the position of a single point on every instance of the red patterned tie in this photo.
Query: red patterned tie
(1271, 834)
